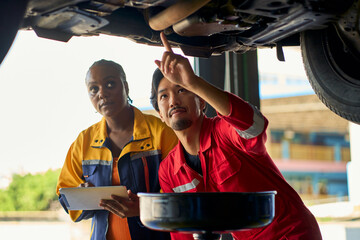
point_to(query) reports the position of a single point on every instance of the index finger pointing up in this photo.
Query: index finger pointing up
(165, 42)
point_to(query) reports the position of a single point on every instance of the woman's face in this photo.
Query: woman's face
(107, 92)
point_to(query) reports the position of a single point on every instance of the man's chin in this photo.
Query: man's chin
(181, 125)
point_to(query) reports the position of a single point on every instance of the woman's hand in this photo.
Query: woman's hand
(123, 207)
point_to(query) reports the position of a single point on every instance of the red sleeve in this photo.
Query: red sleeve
(245, 125)
(164, 177)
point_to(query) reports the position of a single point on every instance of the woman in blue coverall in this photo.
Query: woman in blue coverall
(124, 148)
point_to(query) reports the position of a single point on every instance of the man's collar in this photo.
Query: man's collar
(205, 144)
(179, 159)
(205, 134)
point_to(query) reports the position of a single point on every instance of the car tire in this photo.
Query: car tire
(333, 71)
(11, 15)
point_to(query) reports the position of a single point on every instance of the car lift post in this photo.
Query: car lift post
(232, 72)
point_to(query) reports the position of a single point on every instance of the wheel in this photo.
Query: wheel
(333, 71)
(11, 15)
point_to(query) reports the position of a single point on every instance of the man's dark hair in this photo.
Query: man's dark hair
(157, 76)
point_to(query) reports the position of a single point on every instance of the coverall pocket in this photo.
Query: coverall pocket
(226, 169)
(88, 173)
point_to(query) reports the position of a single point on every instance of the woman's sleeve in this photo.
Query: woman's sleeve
(71, 176)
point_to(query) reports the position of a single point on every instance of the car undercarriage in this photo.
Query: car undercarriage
(328, 32)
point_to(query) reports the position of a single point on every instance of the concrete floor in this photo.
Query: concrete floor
(337, 221)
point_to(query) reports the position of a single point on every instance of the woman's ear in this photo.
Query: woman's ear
(126, 88)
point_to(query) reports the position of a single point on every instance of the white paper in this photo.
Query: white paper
(88, 198)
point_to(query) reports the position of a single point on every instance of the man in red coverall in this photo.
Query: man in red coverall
(222, 154)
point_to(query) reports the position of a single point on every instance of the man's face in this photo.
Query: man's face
(107, 92)
(178, 107)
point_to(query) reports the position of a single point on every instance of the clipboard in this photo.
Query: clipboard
(88, 198)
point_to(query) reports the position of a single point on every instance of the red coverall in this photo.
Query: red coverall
(234, 159)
